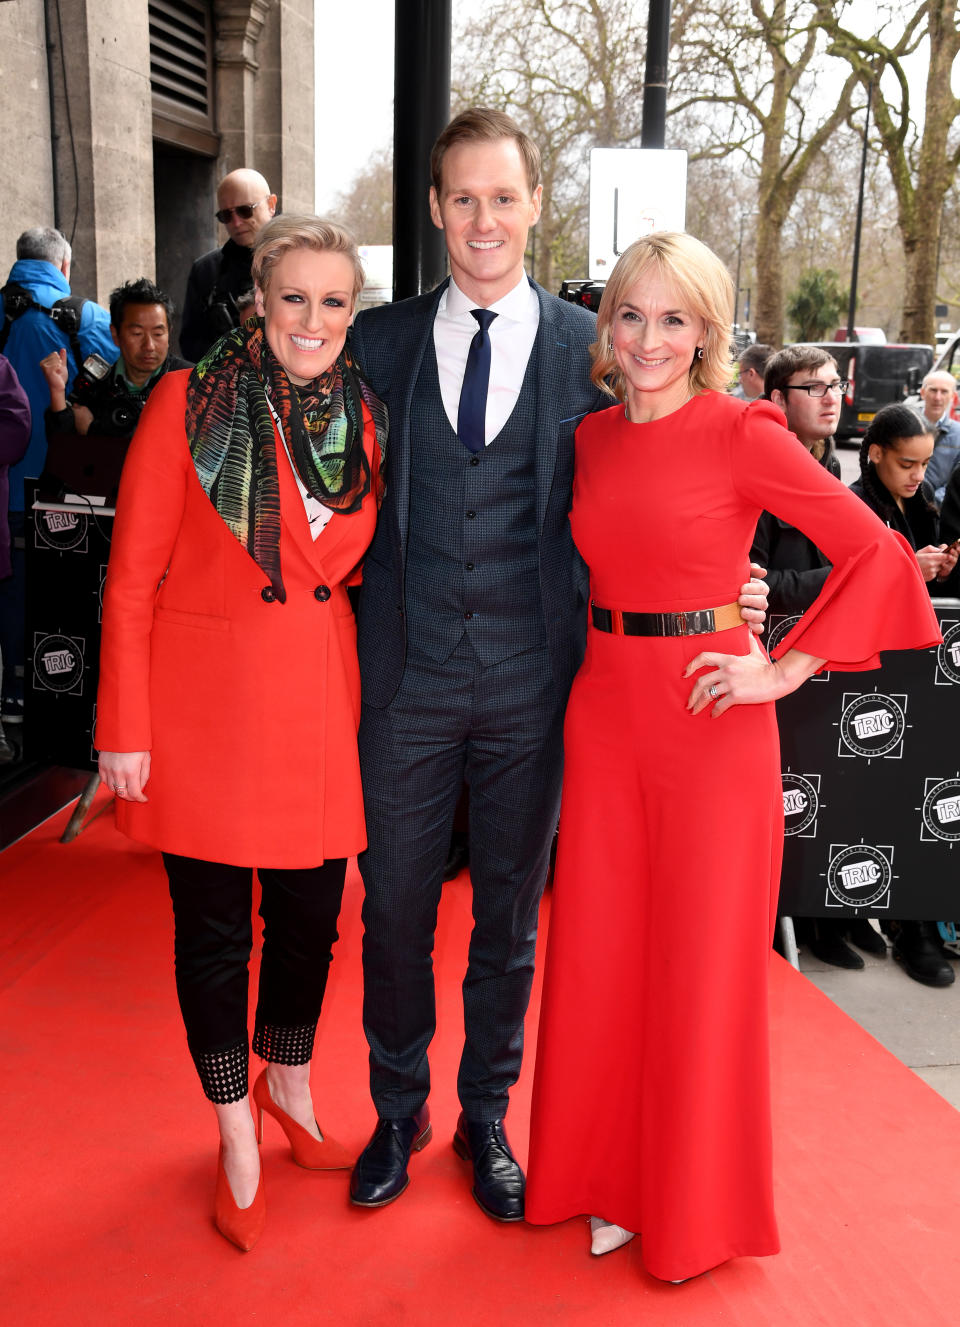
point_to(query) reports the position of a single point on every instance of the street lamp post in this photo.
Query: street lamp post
(653, 133)
(421, 108)
(852, 308)
(736, 293)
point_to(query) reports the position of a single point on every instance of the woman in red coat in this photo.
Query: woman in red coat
(229, 688)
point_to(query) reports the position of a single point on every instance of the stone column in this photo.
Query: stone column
(102, 142)
(285, 105)
(25, 154)
(237, 25)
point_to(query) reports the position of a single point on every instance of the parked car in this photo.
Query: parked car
(878, 376)
(868, 336)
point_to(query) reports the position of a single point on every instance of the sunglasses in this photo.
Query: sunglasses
(245, 211)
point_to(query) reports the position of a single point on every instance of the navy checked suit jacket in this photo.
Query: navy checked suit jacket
(389, 344)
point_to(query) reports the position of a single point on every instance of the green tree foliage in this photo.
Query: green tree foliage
(816, 304)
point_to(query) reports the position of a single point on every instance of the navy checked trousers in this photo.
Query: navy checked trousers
(501, 729)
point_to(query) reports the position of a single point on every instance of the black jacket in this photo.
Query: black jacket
(216, 282)
(796, 569)
(919, 524)
(950, 511)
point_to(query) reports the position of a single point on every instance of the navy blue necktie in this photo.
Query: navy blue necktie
(472, 415)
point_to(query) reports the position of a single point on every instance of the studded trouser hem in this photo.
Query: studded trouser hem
(223, 1073)
(284, 1045)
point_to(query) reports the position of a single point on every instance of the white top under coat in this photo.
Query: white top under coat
(318, 514)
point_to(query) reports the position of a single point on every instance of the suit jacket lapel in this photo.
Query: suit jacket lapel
(552, 365)
(413, 341)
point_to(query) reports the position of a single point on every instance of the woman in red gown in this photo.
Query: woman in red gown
(651, 1101)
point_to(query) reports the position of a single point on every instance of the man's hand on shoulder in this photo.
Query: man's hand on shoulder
(754, 595)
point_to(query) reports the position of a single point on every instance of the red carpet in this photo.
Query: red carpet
(110, 1152)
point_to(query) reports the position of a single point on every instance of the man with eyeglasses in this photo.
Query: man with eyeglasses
(804, 382)
(220, 287)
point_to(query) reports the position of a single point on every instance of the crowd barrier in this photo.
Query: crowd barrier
(870, 761)
(68, 546)
(871, 785)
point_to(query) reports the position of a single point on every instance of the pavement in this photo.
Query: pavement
(919, 1024)
(848, 454)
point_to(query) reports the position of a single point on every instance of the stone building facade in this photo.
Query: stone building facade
(119, 116)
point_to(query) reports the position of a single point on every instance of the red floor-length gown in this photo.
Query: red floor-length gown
(651, 1100)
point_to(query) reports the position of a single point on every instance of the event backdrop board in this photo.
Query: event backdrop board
(871, 785)
(66, 562)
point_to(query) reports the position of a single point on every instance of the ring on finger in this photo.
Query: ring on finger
(713, 691)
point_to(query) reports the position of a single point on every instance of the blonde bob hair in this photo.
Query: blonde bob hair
(286, 233)
(705, 289)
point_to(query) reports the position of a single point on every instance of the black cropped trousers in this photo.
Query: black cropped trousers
(213, 937)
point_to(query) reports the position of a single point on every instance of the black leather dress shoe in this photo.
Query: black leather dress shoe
(498, 1181)
(380, 1174)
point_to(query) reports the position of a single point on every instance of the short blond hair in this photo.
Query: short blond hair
(286, 233)
(705, 288)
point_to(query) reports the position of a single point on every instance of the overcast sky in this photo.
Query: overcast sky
(354, 85)
(354, 90)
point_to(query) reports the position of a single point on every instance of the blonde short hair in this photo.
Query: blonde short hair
(705, 289)
(286, 233)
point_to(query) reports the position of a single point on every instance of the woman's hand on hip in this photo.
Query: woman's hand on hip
(746, 679)
(125, 773)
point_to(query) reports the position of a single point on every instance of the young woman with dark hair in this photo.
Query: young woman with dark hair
(894, 455)
(893, 460)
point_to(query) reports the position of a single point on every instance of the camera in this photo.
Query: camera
(93, 368)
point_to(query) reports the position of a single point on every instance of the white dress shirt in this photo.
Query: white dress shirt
(512, 334)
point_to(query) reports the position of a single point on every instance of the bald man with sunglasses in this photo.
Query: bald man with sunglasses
(220, 282)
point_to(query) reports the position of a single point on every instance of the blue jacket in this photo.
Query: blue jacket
(33, 336)
(946, 454)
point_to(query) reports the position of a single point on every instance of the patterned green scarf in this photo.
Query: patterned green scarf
(229, 423)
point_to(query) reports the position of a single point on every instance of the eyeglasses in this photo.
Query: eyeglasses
(818, 390)
(245, 211)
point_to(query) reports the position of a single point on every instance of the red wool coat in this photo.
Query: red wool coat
(248, 707)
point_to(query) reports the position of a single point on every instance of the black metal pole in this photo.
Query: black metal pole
(852, 309)
(736, 291)
(421, 108)
(653, 133)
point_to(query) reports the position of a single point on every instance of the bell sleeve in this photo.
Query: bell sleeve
(875, 597)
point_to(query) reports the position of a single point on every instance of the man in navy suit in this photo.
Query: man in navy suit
(471, 627)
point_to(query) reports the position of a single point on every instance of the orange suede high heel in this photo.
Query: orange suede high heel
(242, 1226)
(324, 1153)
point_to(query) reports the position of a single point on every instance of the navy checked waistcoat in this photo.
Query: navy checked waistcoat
(472, 559)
